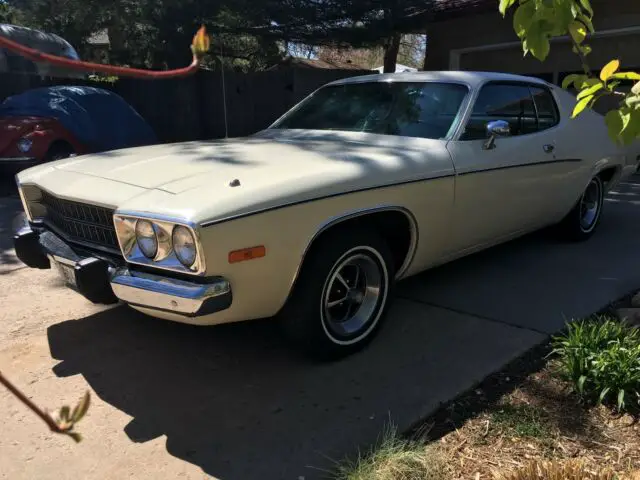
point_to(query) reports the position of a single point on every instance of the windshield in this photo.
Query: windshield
(416, 109)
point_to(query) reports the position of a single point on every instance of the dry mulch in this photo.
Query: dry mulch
(542, 419)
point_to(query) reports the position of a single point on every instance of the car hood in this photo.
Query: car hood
(271, 168)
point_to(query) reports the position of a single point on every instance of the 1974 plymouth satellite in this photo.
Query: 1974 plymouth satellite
(367, 181)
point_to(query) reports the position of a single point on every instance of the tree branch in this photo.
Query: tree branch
(53, 426)
(583, 58)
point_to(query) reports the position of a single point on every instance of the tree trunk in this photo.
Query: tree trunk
(391, 53)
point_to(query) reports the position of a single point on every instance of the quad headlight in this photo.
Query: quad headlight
(184, 244)
(146, 238)
(162, 243)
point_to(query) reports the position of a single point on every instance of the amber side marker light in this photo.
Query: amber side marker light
(247, 254)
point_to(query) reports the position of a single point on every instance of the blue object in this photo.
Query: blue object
(99, 119)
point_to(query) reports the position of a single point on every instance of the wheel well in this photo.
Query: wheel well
(394, 226)
(607, 174)
(60, 145)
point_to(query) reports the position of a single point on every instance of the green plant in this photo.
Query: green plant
(537, 21)
(395, 458)
(601, 357)
(523, 420)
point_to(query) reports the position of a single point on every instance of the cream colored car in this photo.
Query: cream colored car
(312, 221)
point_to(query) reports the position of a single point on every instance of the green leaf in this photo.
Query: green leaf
(76, 436)
(581, 105)
(64, 414)
(537, 42)
(613, 119)
(636, 89)
(620, 399)
(522, 18)
(632, 101)
(626, 76)
(80, 410)
(587, 21)
(603, 394)
(578, 32)
(632, 131)
(609, 69)
(586, 4)
(580, 384)
(591, 90)
(571, 79)
(626, 120)
(505, 5)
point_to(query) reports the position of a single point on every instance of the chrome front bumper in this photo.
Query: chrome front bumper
(185, 298)
(102, 280)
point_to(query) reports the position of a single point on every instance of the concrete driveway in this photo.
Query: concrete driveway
(234, 403)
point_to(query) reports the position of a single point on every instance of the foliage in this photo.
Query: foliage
(601, 358)
(571, 470)
(537, 21)
(395, 459)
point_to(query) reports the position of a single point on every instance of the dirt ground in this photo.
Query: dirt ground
(28, 449)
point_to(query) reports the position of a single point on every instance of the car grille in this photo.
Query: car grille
(80, 222)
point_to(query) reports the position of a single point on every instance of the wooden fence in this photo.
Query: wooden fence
(192, 108)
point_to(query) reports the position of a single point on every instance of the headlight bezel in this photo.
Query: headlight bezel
(165, 258)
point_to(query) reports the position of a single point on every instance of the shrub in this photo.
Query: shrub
(395, 459)
(601, 357)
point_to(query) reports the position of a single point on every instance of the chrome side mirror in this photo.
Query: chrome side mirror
(495, 129)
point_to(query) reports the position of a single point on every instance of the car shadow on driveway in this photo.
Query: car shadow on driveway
(237, 402)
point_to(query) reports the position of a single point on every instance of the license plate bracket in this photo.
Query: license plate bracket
(66, 272)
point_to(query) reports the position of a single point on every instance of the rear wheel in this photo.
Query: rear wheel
(342, 294)
(584, 218)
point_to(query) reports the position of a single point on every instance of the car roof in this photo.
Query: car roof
(473, 79)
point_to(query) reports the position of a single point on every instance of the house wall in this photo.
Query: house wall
(490, 28)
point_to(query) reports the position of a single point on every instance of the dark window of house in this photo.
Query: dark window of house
(512, 103)
(546, 108)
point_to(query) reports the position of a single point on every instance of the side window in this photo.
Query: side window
(512, 103)
(546, 107)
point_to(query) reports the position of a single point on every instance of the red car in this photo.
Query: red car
(52, 123)
(26, 141)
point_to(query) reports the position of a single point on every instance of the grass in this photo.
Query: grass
(395, 458)
(523, 420)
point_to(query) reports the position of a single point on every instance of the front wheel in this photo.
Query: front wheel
(584, 218)
(342, 294)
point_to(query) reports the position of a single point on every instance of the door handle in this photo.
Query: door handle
(548, 148)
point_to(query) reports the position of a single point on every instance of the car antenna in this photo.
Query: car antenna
(224, 96)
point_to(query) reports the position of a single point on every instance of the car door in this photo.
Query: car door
(500, 181)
